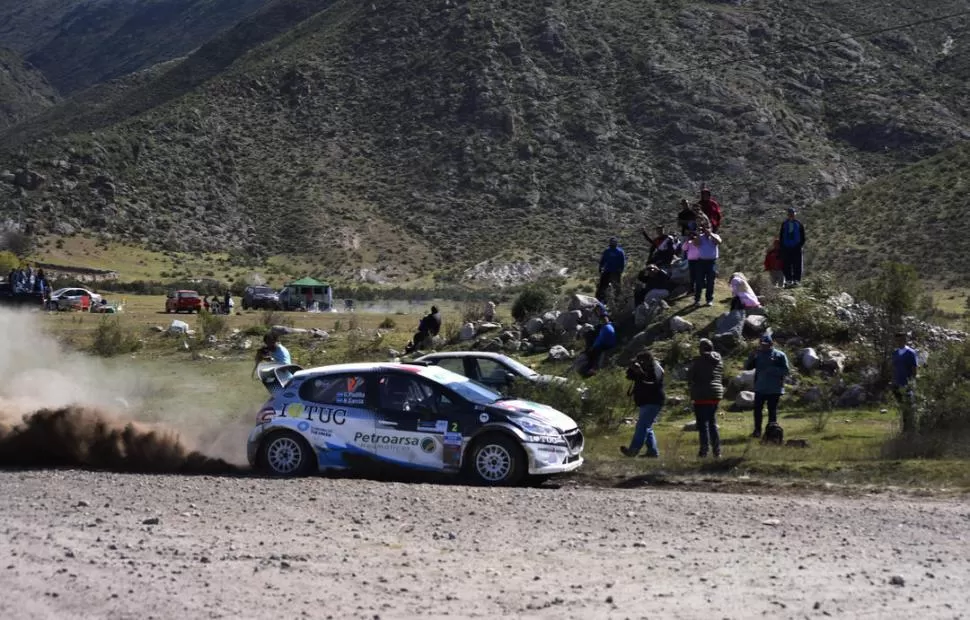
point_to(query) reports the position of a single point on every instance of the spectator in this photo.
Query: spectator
(604, 342)
(705, 380)
(663, 247)
(655, 283)
(770, 367)
(905, 364)
(687, 218)
(612, 263)
(227, 303)
(489, 314)
(743, 297)
(272, 351)
(711, 209)
(648, 395)
(205, 303)
(774, 265)
(706, 245)
(40, 281)
(792, 240)
(429, 327)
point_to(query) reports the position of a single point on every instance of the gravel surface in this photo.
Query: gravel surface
(93, 545)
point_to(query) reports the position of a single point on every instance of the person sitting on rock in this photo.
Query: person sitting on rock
(663, 247)
(654, 282)
(711, 209)
(774, 264)
(429, 327)
(612, 263)
(743, 296)
(605, 341)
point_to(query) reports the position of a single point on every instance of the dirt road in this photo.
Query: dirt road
(91, 545)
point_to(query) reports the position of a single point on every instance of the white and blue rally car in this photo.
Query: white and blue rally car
(409, 416)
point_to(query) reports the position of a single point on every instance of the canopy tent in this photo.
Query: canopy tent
(304, 292)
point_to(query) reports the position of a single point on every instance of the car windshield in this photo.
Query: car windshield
(263, 290)
(474, 392)
(189, 295)
(520, 368)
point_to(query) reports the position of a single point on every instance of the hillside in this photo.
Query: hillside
(418, 137)
(23, 90)
(80, 44)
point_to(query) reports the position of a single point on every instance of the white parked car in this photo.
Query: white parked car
(492, 370)
(68, 298)
(407, 416)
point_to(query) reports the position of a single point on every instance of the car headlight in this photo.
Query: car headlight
(536, 428)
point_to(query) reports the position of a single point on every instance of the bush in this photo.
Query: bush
(598, 402)
(211, 324)
(895, 291)
(269, 318)
(387, 323)
(111, 338)
(8, 262)
(808, 318)
(531, 301)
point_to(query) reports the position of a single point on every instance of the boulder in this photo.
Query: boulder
(559, 353)
(728, 341)
(690, 426)
(506, 336)
(494, 345)
(759, 311)
(648, 312)
(732, 321)
(842, 300)
(467, 332)
(833, 361)
(319, 333)
(788, 300)
(853, 396)
(178, 327)
(244, 345)
(809, 358)
(585, 328)
(551, 316)
(283, 330)
(512, 346)
(812, 395)
(755, 326)
(744, 401)
(583, 303)
(569, 320)
(532, 326)
(679, 325)
(486, 327)
(744, 380)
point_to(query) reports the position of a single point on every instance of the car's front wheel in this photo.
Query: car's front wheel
(498, 460)
(285, 454)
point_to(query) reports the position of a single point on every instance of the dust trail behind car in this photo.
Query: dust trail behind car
(60, 408)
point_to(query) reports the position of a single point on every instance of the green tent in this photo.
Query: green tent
(302, 293)
(303, 282)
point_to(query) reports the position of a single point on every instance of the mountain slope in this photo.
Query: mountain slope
(79, 44)
(23, 90)
(416, 137)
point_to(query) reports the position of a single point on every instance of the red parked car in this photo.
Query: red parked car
(183, 301)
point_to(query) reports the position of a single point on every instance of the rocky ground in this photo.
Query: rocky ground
(94, 545)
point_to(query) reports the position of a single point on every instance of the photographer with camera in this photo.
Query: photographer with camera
(648, 395)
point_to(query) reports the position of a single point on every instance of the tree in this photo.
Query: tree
(17, 242)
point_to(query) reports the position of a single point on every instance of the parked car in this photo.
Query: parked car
(408, 416)
(260, 298)
(183, 301)
(9, 298)
(72, 298)
(492, 370)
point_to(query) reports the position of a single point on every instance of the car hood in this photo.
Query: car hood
(544, 413)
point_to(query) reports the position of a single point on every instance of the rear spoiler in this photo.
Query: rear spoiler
(275, 377)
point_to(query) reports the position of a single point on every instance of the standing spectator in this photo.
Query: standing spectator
(489, 314)
(742, 295)
(663, 247)
(40, 281)
(604, 342)
(429, 327)
(612, 263)
(227, 303)
(648, 395)
(706, 243)
(792, 239)
(710, 208)
(774, 265)
(770, 367)
(705, 379)
(205, 303)
(687, 218)
(905, 363)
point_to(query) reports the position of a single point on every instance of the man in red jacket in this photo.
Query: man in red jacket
(711, 209)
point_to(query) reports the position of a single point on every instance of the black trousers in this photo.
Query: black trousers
(605, 280)
(792, 260)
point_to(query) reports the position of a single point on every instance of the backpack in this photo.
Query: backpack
(774, 434)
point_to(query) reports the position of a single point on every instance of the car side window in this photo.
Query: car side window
(454, 364)
(406, 394)
(335, 390)
(491, 371)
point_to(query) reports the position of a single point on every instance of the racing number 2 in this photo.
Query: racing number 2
(454, 427)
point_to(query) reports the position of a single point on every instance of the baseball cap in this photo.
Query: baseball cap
(767, 339)
(791, 210)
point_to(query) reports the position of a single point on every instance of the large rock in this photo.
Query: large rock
(568, 321)
(648, 312)
(533, 326)
(679, 325)
(842, 300)
(467, 332)
(809, 358)
(283, 330)
(321, 334)
(726, 342)
(853, 396)
(744, 380)
(583, 303)
(833, 361)
(551, 316)
(484, 328)
(559, 353)
(178, 327)
(732, 321)
(755, 326)
(744, 401)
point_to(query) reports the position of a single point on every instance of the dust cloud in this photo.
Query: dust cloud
(61, 408)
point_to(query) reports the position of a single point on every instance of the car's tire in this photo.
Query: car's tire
(497, 460)
(285, 454)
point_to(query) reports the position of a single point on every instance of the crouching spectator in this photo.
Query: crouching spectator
(428, 328)
(705, 379)
(604, 342)
(653, 283)
(742, 295)
(648, 395)
(774, 264)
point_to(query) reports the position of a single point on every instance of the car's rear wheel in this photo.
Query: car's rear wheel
(285, 454)
(497, 460)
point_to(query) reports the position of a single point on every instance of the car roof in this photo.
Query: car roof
(432, 356)
(435, 373)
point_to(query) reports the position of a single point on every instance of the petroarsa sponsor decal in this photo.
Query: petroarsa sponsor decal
(385, 441)
(315, 413)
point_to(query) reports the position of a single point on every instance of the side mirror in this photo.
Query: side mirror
(510, 377)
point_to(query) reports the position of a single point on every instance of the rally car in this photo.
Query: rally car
(409, 416)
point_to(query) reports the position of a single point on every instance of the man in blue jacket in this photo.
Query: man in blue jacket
(770, 366)
(605, 340)
(612, 263)
(792, 239)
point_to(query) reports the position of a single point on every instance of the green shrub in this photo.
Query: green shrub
(598, 402)
(8, 262)
(808, 318)
(111, 338)
(531, 301)
(387, 323)
(211, 324)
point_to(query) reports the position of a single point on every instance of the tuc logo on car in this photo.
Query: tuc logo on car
(323, 415)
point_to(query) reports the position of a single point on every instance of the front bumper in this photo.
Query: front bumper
(556, 458)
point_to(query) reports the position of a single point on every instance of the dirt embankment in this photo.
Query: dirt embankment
(96, 545)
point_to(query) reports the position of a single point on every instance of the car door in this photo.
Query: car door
(337, 414)
(491, 373)
(411, 420)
